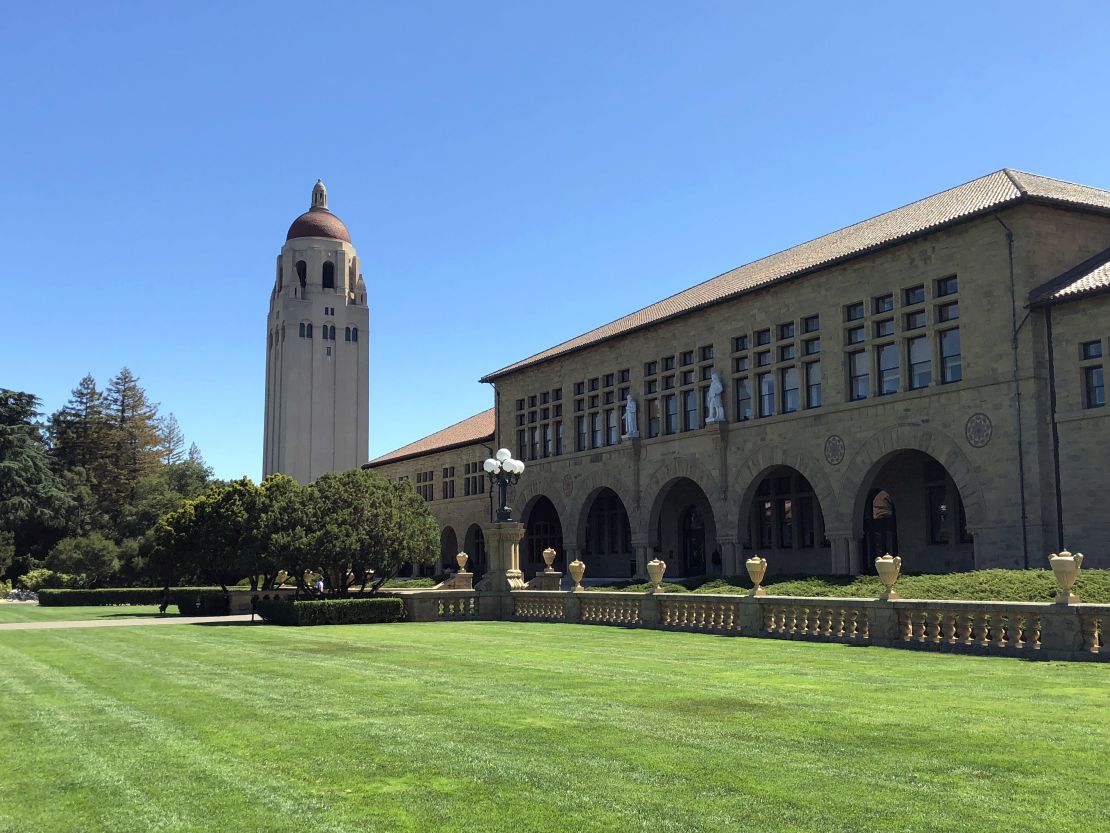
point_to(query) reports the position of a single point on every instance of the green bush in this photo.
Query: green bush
(411, 582)
(42, 578)
(201, 603)
(978, 585)
(330, 611)
(114, 596)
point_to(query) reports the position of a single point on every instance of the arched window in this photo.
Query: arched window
(329, 275)
(281, 275)
(308, 330)
(347, 334)
(331, 333)
(302, 273)
(354, 333)
(302, 329)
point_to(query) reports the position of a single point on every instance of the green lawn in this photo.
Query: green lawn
(33, 613)
(536, 727)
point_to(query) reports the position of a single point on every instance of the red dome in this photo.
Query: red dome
(319, 222)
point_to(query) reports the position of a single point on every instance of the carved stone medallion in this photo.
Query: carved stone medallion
(834, 450)
(978, 430)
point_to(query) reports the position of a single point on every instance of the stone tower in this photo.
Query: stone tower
(317, 351)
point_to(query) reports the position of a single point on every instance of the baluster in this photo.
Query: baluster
(827, 622)
(982, 629)
(963, 628)
(905, 625)
(999, 626)
(948, 620)
(852, 627)
(935, 626)
(791, 619)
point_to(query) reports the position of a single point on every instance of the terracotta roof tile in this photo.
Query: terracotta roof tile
(973, 198)
(475, 429)
(1087, 278)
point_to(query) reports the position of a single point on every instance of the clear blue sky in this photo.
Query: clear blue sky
(511, 176)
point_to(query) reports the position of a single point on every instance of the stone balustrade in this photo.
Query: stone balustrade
(1021, 629)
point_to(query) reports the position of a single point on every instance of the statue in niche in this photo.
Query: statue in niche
(631, 429)
(714, 407)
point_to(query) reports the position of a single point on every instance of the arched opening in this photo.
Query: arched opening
(302, 273)
(910, 506)
(607, 538)
(329, 275)
(542, 529)
(475, 546)
(785, 524)
(685, 530)
(448, 549)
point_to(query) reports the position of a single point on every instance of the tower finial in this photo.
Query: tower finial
(319, 195)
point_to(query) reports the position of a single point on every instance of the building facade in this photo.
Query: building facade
(928, 383)
(317, 351)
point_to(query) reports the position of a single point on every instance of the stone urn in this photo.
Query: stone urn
(757, 569)
(549, 559)
(461, 560)
(577, 570)
(655, 570)
(889, 567)
(1066, 566)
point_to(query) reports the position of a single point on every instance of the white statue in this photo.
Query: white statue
(714, 408)
(631, 429)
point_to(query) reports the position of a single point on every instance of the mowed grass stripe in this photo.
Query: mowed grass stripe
(491, 726)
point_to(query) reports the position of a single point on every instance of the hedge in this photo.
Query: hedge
(330, 611)
(113, 596)
(202, 602)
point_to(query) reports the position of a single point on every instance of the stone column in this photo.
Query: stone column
(840, 556)
(503, 551)
(640, 547)
(729, 548)
(854, 561)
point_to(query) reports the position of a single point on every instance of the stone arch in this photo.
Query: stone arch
(543, 528)
(883, 445)
(448, 548)
(474, 545)
(747, 478)
(584, 491)
(655, 489)
(523, 496)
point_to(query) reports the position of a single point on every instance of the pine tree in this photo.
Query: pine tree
(136, 443)
(29, 489)
(79, 433)
(173, 441)
(195, 456)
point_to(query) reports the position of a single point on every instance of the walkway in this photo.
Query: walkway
(243, 619)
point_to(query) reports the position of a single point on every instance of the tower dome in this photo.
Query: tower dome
(318, 221)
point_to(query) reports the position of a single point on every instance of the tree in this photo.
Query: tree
(195, 456)
(280, 537)
(135, 440)
(224, 520)
(93, 556)
(79, 433)
(173, 441)
(29, 489)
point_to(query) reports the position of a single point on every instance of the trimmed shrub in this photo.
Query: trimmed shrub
(201, 603)
(114, 596)
(411, 582)
(330, 611)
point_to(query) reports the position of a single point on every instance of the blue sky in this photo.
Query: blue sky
(511, 175)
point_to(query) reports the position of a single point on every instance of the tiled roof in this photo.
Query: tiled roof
(977, 197)
(475, 429)
(1089, 277)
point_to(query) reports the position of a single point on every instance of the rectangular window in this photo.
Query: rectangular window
(813, 385)
(1090, 350)
(739, 344)
(791, 393)
(535, 449)
(884, 328)
(651, 386)
(608, 380)
(687, 377)
(947, 286)
(593, 401)
(687, 357)
(743, 400)
(786, 353)
(707, 373)
(579, 405)
(520, 404)
(914, 295)
(522, 442)
(951, 369)
(651, 368)
(811, 324)
(785, 514)
(689, 410)
(766, 524)
(811, 347)
(766, 384)
(920, 363)
(579, 388)
(707, 353)
(948, 312)
(611, 427)
(763, 358)
(786, 330)
(594, 383)
(855, 335)
(762, 338)
(608, 397)
(1094, 390)
(531, 401)
(545, 397)
(853, 312)
(740, 364)
(623, 376)
(548, 441)
(914, 320)
(558, 438)
(886, 358)
(859, 377)
(668, 362)
(595, 430)
(653, 417)
(531, 416)
(883, 303)
(668, 382)
(670, 409)
(557, 394)
(580, 425)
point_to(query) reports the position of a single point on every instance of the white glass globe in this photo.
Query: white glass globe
(503, 454)
(491, 466)
(518, 467)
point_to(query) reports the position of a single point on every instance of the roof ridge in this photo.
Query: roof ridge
(1010, 176)
(1044, 292)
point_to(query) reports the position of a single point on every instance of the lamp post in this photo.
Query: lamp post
(503, 470)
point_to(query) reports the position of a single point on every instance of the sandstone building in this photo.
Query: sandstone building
(928, 382)
(317, 351)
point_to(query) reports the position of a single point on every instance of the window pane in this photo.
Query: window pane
(951, 369)
(670, 408)
(856, 335)
(887, 361)
(947, 286)
(813, 385)
(884, 328)
(853, 312)
(790, 392)
(1091, 350)
(690, 410)
(766, 394)
(920, 362)
(811, 324)
(948, 312)
(812, 347)
(743, 399)
(1095, 390)
(884, 303)
(859, 386)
